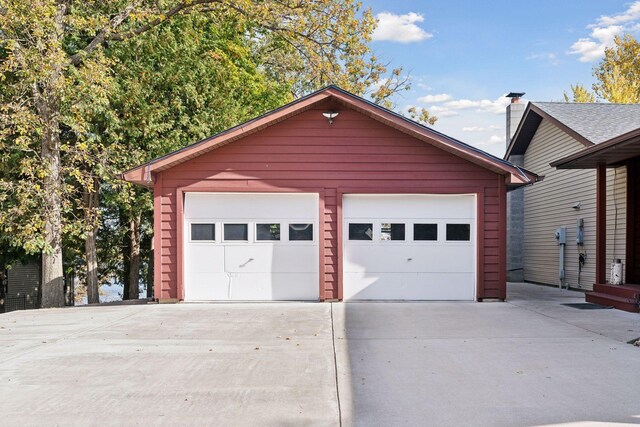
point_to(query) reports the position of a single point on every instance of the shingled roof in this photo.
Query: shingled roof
(589, 123)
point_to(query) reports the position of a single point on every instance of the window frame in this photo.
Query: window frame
(468, 222)
(426, 242)
(225, 240)
(216, 233)
(273, 242)
(314, 231)
(391, 241)
(374, 233)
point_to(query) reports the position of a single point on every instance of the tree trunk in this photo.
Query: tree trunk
(126, 253)
(150, 270)
(47, 103)
(134, 256)
(91, 200)
(52, 272)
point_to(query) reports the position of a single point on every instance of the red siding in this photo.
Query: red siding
(354, 154)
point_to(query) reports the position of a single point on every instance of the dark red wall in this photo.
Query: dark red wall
(354, 154)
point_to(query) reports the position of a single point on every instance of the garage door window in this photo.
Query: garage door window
(360, 231)
(203, 232)
(267, 232)
(422, 232)
(390, 231)
(458, 232)
(300, 232)
(236, 232)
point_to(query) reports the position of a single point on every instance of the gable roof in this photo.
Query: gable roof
(515, 175)
(588, 123)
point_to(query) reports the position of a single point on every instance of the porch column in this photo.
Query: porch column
(601, 224)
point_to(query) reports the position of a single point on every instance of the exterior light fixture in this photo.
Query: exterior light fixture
(330, 115)
(577, 206)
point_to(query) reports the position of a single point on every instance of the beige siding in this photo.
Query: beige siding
(548, 205)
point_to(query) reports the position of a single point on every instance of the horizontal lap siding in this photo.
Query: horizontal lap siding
(305, 152)
(548, 205)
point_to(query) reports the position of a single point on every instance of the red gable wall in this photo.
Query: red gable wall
(354, 154)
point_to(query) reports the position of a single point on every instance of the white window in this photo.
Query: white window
(425, 232)
(458, 232)
(360, 231)
(267, 232)
(203, 232)
(236, 232)
(300, 232)
(391, 231)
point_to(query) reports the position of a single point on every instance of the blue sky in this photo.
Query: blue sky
(464, 55)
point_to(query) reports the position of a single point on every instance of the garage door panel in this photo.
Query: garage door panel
(405, 258)
(235, 206)
(205, 258)
(206, 286)
(385, 206)
(251, 270)
(410, 269)
(409, 286)
(276, 286)
(271, 258)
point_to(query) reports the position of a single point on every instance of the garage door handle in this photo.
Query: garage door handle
(248, 261)
(409, 259)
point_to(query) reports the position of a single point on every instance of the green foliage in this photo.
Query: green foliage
(579, 94)
(617, 75)
(91, 88)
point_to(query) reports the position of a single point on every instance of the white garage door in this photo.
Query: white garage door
(255, 247)
(409, 247)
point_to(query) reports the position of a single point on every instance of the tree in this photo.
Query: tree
(580, 94)
(55, 80)
(617, 75)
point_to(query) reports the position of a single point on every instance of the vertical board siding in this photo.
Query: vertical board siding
(548, 205)
(305, 153)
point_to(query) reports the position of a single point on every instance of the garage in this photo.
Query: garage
(329, 198)
(409, 247)
(251, 246)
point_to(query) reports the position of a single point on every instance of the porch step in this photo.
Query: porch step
(616, 301)
(629, 291)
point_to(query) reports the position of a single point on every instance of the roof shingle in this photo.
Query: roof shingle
(597, 122)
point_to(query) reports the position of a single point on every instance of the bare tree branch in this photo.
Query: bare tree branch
(102, 35)
(149, 25)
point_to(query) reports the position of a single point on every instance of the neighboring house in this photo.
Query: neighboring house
(330, 197)
(619, 152)
(21, 287)
(547, 132)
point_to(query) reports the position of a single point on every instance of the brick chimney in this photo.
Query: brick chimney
(515, 110)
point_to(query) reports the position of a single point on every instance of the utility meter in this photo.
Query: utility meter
(561, 235)
(580, 232)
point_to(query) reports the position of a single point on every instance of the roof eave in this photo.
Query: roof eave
(587, 158)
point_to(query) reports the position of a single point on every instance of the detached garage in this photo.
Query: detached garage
(329, 198)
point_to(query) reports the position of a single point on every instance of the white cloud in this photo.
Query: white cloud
(480, 128)
(603, 32)
(551, 57)
(493, 142)
(441, 97)
(496, 106)
(400, 28)
(631, 14)
(442, 111)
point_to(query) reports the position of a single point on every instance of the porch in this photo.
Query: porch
(623, 151)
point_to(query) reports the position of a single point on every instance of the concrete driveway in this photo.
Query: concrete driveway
(531, 361)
